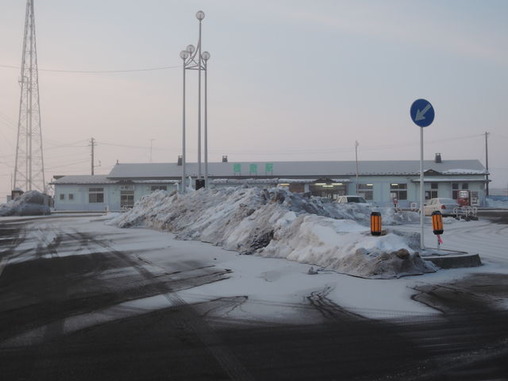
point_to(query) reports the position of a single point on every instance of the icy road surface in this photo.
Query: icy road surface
(81, 300)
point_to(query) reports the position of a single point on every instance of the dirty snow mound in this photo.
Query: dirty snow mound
(31, 203)
(345, 246)
(278, 223)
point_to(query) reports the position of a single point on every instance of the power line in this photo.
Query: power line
(8, 121)
(58, 145)
(68, 164)
(124, 145)
(112, 71)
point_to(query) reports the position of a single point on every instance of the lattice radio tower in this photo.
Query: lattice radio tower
(29, 166)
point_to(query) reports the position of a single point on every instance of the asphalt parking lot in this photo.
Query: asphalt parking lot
(78, 317)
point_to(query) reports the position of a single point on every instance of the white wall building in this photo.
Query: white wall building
(380, 182)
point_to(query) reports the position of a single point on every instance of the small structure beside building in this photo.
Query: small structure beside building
(382, 183)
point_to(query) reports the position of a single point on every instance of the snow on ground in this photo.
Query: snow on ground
(497, 202)
(303, 249)
(31, 203)
(277, 223)
(264, 289)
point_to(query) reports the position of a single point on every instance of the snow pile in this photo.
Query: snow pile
(392, 216)
(345, 246)
(500, 202)
(278, 223)
(31, 203)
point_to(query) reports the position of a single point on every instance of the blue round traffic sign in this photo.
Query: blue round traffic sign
(422, 112)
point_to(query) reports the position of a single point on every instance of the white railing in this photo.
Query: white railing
(465, 212)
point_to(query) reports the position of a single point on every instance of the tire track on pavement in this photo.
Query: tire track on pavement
(189, 321)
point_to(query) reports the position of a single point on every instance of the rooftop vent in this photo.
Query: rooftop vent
(437, 159)
(179, 162)
(224, 158)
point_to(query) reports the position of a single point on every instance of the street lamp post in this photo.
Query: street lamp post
(200, 15)
(184, 55)
(195, 59)
(206, 57)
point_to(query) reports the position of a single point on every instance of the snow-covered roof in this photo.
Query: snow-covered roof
(83, 179)
(103, 179)
(294, 169)
(273, 181)
(449, 179)
(160, 181)
(459, 171)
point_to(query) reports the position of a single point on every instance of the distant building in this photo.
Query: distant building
(380, 182)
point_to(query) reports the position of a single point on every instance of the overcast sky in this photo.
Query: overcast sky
(287, 80)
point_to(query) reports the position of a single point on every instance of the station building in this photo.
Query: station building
(382, 183)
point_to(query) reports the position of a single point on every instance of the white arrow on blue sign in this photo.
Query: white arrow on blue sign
(422, 112)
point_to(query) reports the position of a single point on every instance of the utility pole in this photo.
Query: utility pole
(29, 164)
(486, 164)
(92, 144)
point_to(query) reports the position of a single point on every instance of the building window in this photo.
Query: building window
(327, 188)
(95, 195)
(455, 190)
(456, 187)
(159, 187)
(126, 199)
(62, 197)
(366, 190)
(398, 191)
(71, 196)
(433, 190)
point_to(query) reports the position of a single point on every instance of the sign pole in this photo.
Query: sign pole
(422, 114)
(422, 199)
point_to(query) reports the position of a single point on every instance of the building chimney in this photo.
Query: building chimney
(179, 162)
(437, 159)
(224, 158)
